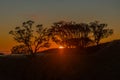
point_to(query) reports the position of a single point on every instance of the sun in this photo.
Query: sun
(61, 47)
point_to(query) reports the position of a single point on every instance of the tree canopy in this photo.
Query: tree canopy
(100, 31)
(72, 34)
(68, 34)
(33, 37)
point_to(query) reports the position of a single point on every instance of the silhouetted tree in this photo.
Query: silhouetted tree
(100, 31)
(32, 39)
(20, 49)
(58, 34)
(84, 31)
(71, 34)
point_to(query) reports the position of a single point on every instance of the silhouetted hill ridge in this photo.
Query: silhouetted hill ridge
(102, 63)
(102, 49)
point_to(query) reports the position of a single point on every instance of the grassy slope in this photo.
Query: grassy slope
(65, 64)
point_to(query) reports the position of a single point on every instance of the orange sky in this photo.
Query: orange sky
(46, 12)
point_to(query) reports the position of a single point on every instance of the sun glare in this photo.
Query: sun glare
(61, 47)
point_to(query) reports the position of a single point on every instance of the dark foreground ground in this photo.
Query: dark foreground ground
(65, 64)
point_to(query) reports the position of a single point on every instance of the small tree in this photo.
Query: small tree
(19, 49)
(100, 31)
(30, 38)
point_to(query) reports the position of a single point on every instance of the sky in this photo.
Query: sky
(46, 12)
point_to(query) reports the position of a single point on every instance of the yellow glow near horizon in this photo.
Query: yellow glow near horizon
(61, 47)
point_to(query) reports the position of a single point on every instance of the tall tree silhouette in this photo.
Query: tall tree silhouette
(100, 31)
(57, 33)
(71, 34)
(84, 34)
(30, 38)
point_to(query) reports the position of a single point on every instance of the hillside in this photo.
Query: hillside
(94, 63)
(108, 61)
